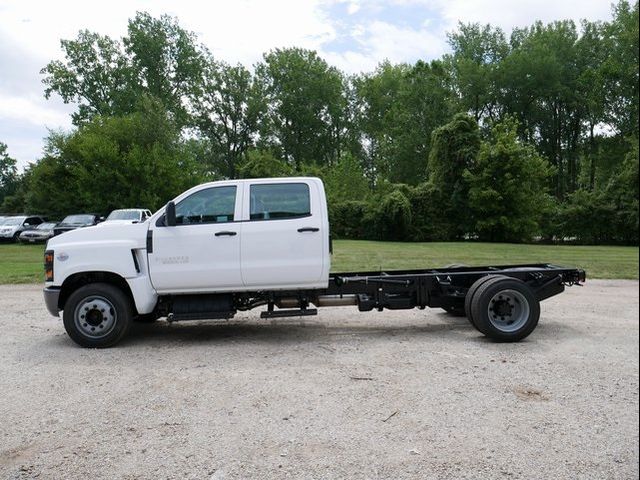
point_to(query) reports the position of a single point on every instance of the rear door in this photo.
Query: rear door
(283, 235)
(202, 252)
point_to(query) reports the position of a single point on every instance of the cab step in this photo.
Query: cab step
(177, 317)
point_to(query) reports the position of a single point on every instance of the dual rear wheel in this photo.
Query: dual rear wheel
(502, 308)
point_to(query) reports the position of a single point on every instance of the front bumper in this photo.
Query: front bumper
(51, 295)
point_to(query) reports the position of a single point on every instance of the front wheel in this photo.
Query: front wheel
(505, 309)
(97, 315)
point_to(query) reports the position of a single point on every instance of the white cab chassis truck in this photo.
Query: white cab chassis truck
(235, 245)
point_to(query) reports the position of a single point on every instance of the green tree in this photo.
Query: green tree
(345, 181)
(107, 77)
(306, 121)
(454, 150)
(621, 68)
(400, 107)
(95, 74)
(591, 54)
(8, 174)
(539, 80)
(228, 109)
(262, 164)
(507, 187)
(622, 193)
(477, 55)
(136, 160)
(167, 61)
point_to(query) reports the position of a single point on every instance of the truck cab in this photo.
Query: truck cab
(242, 235)
(214, 240)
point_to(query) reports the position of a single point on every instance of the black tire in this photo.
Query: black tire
(471, 293)
(505, 309)
(97, 315)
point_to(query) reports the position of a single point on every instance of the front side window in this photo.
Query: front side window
(279, 201)
(212, 205)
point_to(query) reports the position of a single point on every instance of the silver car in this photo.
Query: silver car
(41, 233)
(14, 226)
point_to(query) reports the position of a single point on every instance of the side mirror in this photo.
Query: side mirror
(170, 214)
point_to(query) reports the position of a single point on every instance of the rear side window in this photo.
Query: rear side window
(213, 205)
(279, 201)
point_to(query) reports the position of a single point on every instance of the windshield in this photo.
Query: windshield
(124, 215)
(13, 221)
(46, 226)
(78, 219)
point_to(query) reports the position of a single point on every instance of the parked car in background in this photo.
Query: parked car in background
(81, 220)
(41, 233)
(12, 227)
(127, 215)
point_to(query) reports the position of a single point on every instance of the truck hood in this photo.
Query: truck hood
(133, 234)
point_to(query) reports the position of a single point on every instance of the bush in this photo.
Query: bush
(393, 217)
(350, 219)
(508, 187)
(429, 222)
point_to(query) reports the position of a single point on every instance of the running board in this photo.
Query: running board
(176, 317)
(289, 313)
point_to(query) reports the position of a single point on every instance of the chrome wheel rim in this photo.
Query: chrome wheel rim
(95, 316)
(508, 310)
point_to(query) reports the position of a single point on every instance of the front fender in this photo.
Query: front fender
(102, 256)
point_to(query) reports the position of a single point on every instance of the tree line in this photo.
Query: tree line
(531, 135)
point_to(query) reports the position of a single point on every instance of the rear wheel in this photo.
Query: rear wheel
(471, 293)
(505, 309)
(97, 315)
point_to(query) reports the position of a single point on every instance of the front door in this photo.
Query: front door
(201, 253)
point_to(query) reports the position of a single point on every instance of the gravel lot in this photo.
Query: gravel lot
(342, 395)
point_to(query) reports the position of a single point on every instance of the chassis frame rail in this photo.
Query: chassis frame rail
(443, 287)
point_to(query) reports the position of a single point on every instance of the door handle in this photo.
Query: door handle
(226, 233)
(308, 229)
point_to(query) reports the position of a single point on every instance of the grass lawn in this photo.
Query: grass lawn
(599, 262)
(23, 263)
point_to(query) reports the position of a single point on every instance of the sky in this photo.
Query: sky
(354, 35)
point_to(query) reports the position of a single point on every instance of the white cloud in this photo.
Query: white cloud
(508, 14)
(33, 110)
